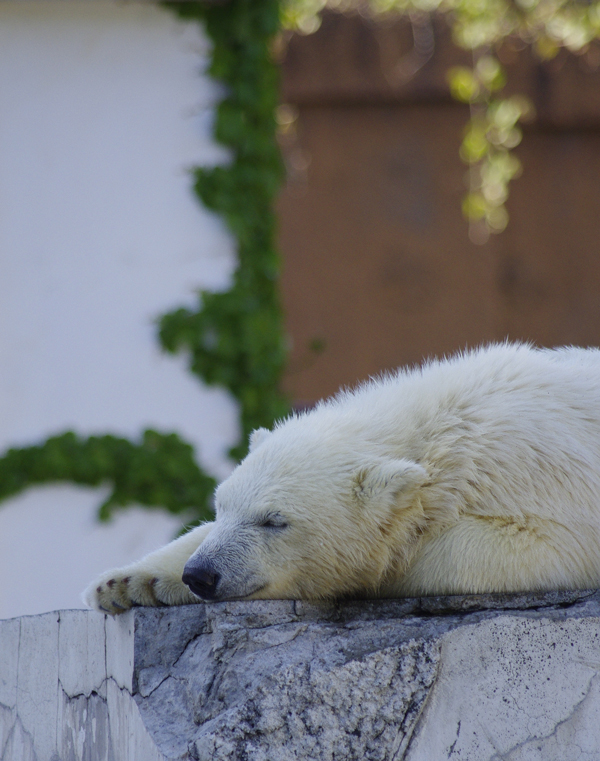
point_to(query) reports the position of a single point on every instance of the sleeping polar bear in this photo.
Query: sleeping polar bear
(478, 473)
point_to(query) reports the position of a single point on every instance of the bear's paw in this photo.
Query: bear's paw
(121, 589)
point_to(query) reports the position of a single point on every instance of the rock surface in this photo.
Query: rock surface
(474, 678)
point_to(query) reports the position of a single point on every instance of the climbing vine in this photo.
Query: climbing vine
(160, 471)
(235, 338)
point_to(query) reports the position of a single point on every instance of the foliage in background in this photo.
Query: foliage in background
(235, 338)
(158, 472)
(482, 26)
(490, 136)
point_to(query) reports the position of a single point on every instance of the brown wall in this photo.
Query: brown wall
(377, 261)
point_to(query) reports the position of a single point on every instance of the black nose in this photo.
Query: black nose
(202, 580)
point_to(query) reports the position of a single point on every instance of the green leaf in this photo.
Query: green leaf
(463, 84)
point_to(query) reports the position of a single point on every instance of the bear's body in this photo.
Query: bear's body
(480, 473)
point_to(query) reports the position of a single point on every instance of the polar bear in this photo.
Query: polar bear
(477, 473)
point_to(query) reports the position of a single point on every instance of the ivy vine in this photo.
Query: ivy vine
(160, 471)
(235, 338)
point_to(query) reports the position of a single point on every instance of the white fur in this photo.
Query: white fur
(479, 473)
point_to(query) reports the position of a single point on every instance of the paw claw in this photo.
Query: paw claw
(119, 590)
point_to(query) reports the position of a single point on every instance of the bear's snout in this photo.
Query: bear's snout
(201, 579)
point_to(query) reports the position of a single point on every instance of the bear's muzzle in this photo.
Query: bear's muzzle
(201, 579)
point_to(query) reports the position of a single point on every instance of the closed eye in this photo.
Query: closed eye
(274, 520)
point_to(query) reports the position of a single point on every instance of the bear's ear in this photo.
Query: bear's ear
(257, 437)
(389, 484)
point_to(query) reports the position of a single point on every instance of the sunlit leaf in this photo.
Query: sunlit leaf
(475, 144)
(497, 219)
(490, 73)
(463, 84)
(474, 206)
(546, 48)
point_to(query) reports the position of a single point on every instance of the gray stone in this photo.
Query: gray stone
(513, 688)
(470, 678)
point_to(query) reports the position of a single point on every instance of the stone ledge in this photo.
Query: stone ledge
(475, 678)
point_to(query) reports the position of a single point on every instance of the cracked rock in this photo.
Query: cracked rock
(469, 678)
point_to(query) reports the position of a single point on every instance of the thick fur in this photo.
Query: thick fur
(478, 473)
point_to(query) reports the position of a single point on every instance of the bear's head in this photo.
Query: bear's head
(311, 513)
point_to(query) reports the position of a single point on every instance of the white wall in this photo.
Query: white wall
(103, 108)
